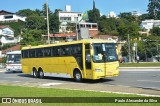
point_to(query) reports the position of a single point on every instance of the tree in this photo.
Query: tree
(44, 10)
(36, 22)
(131, 28)
(39, 12)
(56, 11)
(128, 16)
(26, 12)
(31, 37)
(94, 14)
(155, 31)
(54, 23)
(154, 9)
(108, 26)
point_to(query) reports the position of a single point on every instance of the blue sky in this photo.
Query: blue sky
(105, 6)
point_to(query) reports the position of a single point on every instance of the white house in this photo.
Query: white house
(112, 14)
(149, 24)
(68, 17)
(6, 16)
(6, 35)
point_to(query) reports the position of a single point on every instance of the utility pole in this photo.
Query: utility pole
(47, 22)
(136, 51)
(129, 49)
(76, 31)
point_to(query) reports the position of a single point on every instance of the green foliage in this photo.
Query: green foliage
(36, 25)
(71, 27)
(128, 16)
(147, 47)
(140, 65)
(94, 15)
(155, 31)
(54, 23)
(56, 11)
(5, 46)
(31, 37)
(44, 10)
(119, 26)
(26, 12)
(154, 9)
(36, 22)
(3, 60)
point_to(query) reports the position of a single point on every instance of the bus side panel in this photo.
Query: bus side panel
(25, 66)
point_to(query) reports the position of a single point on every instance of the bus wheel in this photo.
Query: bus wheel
(41, 74)
(35, 73)
(77, 76)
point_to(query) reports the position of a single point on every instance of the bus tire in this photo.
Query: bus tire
(41, 74)
(77, 76)
(35, 73)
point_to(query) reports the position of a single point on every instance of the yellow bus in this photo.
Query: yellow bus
(84, 59)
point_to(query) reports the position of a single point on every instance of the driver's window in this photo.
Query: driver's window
(97, 53)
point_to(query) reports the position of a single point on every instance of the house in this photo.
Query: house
(6, 35)
(112, 14)
(149, 24)
(75, 19)
(6, 16)
(66, 17)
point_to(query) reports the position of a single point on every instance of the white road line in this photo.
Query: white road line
(147, 81)
(3, 80)
(10, 77)
(138, 72)
(50, 84)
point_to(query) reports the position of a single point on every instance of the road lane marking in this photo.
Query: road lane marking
(50, 84)
(10, 77)
(3, 80)
(147, 81)
(138, 72)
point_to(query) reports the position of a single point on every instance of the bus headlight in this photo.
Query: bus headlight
(98, 70)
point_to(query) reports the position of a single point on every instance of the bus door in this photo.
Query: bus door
(89, 72)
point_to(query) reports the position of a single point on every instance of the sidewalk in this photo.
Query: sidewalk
(2, 69)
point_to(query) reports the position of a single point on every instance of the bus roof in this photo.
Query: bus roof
(68, 43)
(14, 52)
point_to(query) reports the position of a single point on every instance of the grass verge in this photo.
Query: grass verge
(140, 65)
(16, 91)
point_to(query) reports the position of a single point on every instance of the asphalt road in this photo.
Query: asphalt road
(139, 81)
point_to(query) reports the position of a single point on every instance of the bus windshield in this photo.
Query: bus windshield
(13, 59)
(105, 52)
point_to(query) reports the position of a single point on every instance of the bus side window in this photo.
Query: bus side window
(53, 51)
(32, 53)
(47, 52)
(25, 54)
(57, 51)
(39, 52)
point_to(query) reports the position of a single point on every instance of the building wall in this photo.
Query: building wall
(65, 17)
(7, 32)
(69, 16)
(149, 24)
(11, 17)
(7, 36)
